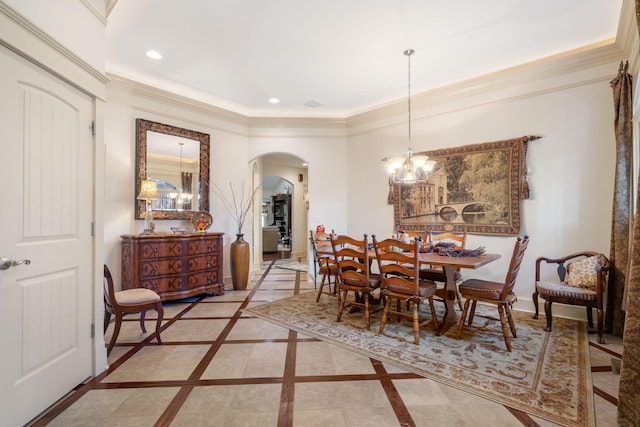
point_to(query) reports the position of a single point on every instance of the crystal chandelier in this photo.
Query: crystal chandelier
(409, 168)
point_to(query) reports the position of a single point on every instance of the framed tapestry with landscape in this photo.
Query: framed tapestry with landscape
(474, 189)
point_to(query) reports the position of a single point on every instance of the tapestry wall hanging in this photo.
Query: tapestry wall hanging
(474, 189)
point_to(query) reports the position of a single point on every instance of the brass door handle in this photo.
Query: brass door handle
(6, 263)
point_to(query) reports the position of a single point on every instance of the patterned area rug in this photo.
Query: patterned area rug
(296, 266)
(546, 375)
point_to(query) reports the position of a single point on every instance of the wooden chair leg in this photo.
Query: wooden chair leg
(512, 324)
(324, 277)
(107, 319)
(473, 312)
(342, 295)
(385, 313)
(534, 297)
(434, 317)
(416, 323)
(142, 316)
(160, 311)
(547, 313)
(459, 298)
(367, 315)
(462, 318)
(590, 317)
(116, 331)
(601, 339)
(503, 323)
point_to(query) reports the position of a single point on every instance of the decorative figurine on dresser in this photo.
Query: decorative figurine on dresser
(175, 266)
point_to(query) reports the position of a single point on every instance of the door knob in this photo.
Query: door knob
(6, 262)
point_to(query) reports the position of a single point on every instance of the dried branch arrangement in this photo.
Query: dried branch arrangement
(238, 207)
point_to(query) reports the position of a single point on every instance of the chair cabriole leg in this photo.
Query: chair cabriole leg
(547, 313)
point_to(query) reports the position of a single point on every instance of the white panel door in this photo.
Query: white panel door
(45, 217)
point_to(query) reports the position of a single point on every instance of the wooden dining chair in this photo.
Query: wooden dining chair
(137, 300)
(352, 258)
(436, 272)
(499, 294)
(399, 268)
(324, 262)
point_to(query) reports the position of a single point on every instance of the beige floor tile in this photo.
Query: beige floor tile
(172, 309)
(194, 330)
(272, 295)
(230, 295)
(340, 394)
(247, 361)
(373, 417)
(321, 418)
(253, 329)
(606, 412)
(213, 309)
(160, 363)
(319, 358)
(234, 405)
(117, 407)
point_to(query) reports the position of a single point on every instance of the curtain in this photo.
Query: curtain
(622, 203)
(629, 389)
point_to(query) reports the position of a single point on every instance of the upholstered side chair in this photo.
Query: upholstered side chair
(129, 301)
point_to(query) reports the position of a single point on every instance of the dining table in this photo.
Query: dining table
(449, 264)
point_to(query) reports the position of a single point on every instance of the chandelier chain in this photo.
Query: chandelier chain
(409, 52)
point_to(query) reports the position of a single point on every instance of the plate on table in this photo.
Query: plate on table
(201, 220)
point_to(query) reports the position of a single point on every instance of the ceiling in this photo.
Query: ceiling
(345, 55)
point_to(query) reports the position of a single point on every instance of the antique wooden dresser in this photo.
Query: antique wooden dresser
(173, 265)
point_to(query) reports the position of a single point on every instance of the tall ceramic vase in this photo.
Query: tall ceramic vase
(239, 259)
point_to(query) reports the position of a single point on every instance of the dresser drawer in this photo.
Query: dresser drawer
(203, 246)
(161, 249)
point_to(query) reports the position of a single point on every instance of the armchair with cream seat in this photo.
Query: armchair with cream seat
(580, 279)
(137, 300)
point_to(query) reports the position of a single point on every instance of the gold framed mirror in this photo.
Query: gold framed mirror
(177, 160)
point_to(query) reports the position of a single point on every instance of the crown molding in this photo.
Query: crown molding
(100, 15)
(29, 41)
(557, 72)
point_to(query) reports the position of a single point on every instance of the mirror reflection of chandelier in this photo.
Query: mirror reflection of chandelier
(181, 197)
(409, 168)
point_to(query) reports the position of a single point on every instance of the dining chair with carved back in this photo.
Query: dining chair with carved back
(436, 272)
(399, 267)
(354, 274)
(324, 262)
(129, 301)
(499, 294)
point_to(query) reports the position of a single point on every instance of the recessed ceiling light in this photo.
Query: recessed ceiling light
(154, 54)
(305, 164)
(274, 100)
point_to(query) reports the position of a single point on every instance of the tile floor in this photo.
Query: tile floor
(220, 367)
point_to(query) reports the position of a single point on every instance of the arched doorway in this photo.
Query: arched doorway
(283, 205)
